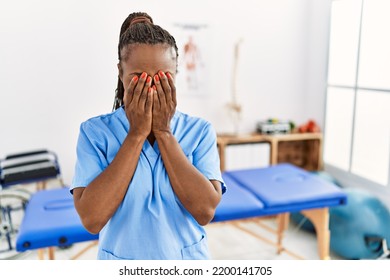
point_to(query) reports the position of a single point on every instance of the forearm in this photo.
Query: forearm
(198, 195)
(97, 203)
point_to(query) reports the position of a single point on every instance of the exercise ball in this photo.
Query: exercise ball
(359, 227)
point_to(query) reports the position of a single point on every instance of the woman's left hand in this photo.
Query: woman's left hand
(164, 102)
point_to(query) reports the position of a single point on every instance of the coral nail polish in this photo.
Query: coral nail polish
(135, 78)
(148, 80)
(156, 78)
(143, 75)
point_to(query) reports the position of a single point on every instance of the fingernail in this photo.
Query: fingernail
(135, 78)
(148, 80)
(169, 75)
(156, 78)
(154, 87)
(143, 75)
(161, 73)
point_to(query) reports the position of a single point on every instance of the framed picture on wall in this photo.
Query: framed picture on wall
(193, 42)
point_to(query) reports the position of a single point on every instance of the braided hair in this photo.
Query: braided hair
(138, 28)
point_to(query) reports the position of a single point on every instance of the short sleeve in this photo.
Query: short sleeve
(90, 161)
(206, 157)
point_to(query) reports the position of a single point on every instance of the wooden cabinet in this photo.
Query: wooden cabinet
(301, 149)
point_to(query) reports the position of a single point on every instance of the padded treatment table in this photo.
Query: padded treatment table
(237, 203)
(279, 190)
(51, 220)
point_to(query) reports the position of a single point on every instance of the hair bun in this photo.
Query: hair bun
(140, 19)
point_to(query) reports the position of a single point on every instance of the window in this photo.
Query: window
(357, 121)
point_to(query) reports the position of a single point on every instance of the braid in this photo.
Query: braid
(138, 28)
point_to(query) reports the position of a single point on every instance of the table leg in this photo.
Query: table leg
(282, 221)
(320, 219)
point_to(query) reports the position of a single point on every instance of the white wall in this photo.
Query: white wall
(317, 67)
(58, 64)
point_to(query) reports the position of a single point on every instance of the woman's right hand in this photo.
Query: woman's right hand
(138, 100)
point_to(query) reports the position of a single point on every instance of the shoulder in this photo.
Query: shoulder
(191, 120)
(103, 120)
(185, 125)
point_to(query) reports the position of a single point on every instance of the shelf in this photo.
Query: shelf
(301, 149)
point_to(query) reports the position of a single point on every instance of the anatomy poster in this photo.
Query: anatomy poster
(193, 41)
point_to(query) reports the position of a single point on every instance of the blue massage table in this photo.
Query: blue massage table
(50, 219)
(277, 191)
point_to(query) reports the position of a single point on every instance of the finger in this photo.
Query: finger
(155, 96)
(157, 83)
(149, 100)
(139, 88)
(144, 95)
(165, 85)
(159, 89)
(128, 96)
(156, 102)
(173, 87)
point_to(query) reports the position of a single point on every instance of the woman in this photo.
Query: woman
(147, 176)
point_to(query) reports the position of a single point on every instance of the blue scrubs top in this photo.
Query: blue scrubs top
(151, 222)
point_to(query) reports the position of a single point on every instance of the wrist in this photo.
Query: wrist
(136, 135)
(162, 133)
